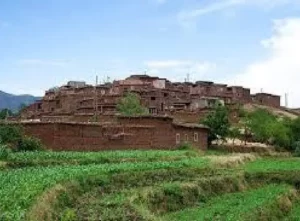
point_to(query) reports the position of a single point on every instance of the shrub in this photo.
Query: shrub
(185, 146)
(4, 152)
(296, 147)
(218, 122)
(10, 134)
(130, 105)
(30, 144)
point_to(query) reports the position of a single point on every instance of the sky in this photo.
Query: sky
(252, 43)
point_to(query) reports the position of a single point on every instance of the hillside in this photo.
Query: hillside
(13, 102)
(148, 185)
(282, 112)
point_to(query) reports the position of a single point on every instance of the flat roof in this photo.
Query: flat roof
(190, 125)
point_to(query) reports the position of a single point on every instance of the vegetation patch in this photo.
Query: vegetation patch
(232, 160)
(247, 205)
(48, 158)
(21, 187)
(273, 165)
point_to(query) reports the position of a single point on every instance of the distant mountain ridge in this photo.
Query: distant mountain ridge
(13, 102)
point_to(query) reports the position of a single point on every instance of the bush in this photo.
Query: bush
(185, 146)
(4, 152)
(30, 144)
(10, 134)
(296, 147)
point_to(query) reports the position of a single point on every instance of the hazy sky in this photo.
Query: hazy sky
(254, 43)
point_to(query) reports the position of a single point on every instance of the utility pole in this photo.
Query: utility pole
(188, 77)
(96, 97)
(286, 100)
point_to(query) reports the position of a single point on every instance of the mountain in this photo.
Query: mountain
(13, 102)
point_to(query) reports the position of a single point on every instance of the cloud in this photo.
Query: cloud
(279, 73)
(187, 18)
(39, 62)
(177, 69)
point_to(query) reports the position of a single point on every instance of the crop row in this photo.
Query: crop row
(68, 156)
(273, 164)
(23, 159)
(234, 206)
(20, 187)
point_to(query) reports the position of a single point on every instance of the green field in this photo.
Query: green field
(148, 185)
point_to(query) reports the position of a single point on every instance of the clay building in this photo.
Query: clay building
(125, 133)
(266, 99)
(78, 101)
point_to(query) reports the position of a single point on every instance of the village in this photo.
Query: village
(78, 116)
(185, 101)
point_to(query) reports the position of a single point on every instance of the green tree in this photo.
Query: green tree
(267, 128)
(234, 133)
(130, 105)
(218, 122)
(260, 122)
(21, 107)
(295, 128)
(5, 113)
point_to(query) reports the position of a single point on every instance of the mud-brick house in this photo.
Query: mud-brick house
(147, 132)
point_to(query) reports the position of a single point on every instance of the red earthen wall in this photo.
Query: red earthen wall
(127, 134)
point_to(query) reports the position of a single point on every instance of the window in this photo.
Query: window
(152, 111)
(186, 138)
(177, 138)
(153, 98)
(196, 137)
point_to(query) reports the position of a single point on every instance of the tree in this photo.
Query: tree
(218, 122)
(266, 127)
(130, 105)
(5, 113)
(21, 107)
(234, 133)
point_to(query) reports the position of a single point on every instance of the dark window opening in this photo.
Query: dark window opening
(186, 137)
(196, 137)
(178, 138)
(152, 111)
(153, 98)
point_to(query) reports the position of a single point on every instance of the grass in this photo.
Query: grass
(155, 198)
(236, 206)
(22, 159)
(294, 215)
(2, 165)
(20, 187)
(164, 185)
(273, 164)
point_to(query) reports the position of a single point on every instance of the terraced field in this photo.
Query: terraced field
(148, 185)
